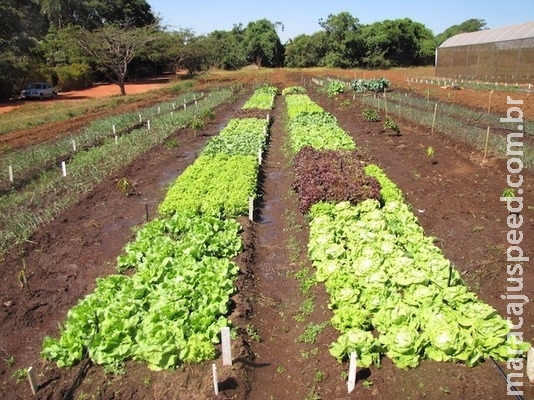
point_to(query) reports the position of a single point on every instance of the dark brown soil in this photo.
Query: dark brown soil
(456, 200)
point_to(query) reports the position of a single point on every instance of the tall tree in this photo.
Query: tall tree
(471, 25)
(306, 50)
(262, 44)
(227, 49)
(345, 46)
(400, 42)
(112, 48)
(93, 14)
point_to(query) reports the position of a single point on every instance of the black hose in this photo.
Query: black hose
(508, 383)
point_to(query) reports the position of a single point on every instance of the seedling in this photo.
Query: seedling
(508, 192)
(430, 152)
(391, 127)
(318, 376)
(371, 115)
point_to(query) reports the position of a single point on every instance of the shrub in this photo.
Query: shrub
(74, 77)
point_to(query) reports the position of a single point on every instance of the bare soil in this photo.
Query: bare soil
(456, 200)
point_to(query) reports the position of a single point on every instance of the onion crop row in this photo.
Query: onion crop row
(21, 213)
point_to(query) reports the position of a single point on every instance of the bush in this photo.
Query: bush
(73, 77)
(333, 176)
(371, 115)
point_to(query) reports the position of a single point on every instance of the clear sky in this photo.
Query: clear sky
(299, 16)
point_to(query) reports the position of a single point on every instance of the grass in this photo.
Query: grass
(37, 113)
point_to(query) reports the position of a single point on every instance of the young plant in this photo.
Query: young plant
(335, 88)
(371, 115)
(391, 127)
(508, 192)
(430, 152)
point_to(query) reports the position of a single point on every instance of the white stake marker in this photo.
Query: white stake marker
(10, 172)
(159, 110)
(114, 130)
(116, 139)
(251, 208)
(140, 118)
(215, 379)
(31, 379)
(148, 124)
(351, 384)
(64, 168)
(73, 144)
(530, 365)
(226, 346)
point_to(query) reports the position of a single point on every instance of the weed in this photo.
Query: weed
(430, 152)
(313, 395)
(366, 383)
(207, 113)
(196, 123)
(280, 369)
(307, 283)
(371, 115)
(123, 184)
(311, 332)
(307, 306)
(318, 376)
(445, 390)
(19, 375)
(345, 103)
(10, 361)
(171, 144)
(508, 192)
(478, 228)
(253, 333)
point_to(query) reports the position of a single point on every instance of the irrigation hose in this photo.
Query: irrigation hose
(509, 384)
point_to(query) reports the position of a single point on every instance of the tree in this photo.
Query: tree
(471, 25)
(262, 44)
(226, 48)
(400, 42)
(306, 50)
(344, 43)
(112, 48)
(93, 14)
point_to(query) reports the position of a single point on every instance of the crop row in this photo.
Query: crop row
(21, 212)
(171, 309)
(262, 98)
(384, 275)
(29, 162)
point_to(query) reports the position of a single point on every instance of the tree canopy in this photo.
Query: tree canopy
(72, 42)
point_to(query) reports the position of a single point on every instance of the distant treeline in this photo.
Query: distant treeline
(72, 43)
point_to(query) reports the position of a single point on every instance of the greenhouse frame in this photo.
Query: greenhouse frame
(499, 55)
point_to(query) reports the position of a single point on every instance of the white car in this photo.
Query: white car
(39, 91)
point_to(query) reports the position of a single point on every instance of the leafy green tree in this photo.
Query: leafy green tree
(93, 14)
(471, 25)
(226, 48)
(262, 44)
(344, 42)
(112, 48)
(306, 50)
(400, 42)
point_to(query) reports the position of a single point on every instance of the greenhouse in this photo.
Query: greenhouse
(503, 54)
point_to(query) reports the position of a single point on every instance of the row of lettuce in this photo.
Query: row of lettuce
(392, 291)
(169, 307)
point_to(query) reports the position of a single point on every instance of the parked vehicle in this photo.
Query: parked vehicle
(39, 90)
